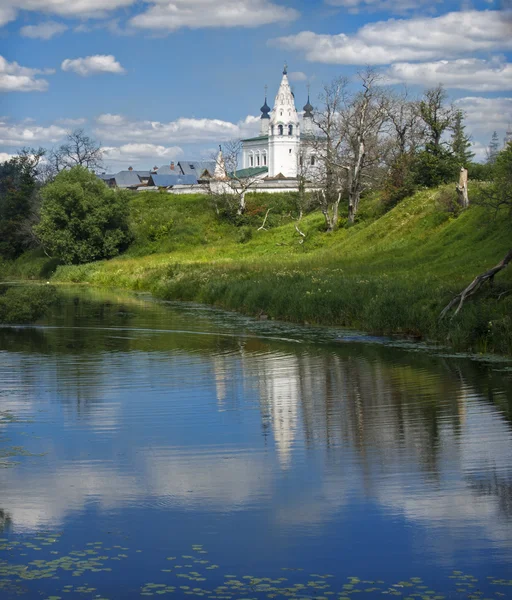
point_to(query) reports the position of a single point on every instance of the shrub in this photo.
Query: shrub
(82, 220)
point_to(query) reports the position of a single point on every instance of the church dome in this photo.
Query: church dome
(308, 109)
(265, 111)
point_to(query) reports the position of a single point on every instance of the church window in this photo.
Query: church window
(290, 129)
(281, 113)
(280, 129)
(251, 160)
(301, 161)
(258, 159)
(290, 151)
(264, 159)
(312, 161)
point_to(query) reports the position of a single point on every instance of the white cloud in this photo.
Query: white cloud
(90, 65)
(395, 6)
(64, 8)
(15, 78)
(43, 31)
(297, 76)
(184, 130)
(485, 115)
(170, 15)
(28, 134)
(467, 73)
(4, 157)
(417, 39)
(139, 154)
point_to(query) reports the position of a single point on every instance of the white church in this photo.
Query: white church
(283, 136)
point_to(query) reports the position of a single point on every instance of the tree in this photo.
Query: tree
(433, 166)
(498, 195)
(326, 148)
(18, 200)
(230, 184)
(82, 220)
(494, 148)
(438, 117)
(78, 150)
(461, 143)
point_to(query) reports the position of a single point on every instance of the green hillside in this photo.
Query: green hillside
(389, 273)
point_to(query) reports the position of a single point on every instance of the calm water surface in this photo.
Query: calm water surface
(177, 451)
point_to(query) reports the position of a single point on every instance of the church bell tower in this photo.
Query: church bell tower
(284, 132)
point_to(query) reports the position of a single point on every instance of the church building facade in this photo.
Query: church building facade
(283, 136)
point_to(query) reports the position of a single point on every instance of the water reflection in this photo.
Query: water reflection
(143, 407)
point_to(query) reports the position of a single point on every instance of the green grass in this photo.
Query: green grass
(389, 273)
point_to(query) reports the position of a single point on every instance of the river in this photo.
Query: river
(167, 450)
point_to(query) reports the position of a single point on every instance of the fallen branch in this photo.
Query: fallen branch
(475, 285)
(264, 221)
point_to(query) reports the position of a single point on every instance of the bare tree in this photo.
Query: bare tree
(406, 127)
(325, 148)
(362, 125)
(229, 188)
(78, 150)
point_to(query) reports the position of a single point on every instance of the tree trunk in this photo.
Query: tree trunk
(241, 204)
(475, 285)
(462, 188)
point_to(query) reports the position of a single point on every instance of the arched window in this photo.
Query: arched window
(301, 161)
(264, 159)
(272, 130)
(281, 113)
(251, 159)
(312, 161)
(290, 129)
(280, 129)
(257, 159)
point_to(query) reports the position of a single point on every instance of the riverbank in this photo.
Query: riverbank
(390, 273)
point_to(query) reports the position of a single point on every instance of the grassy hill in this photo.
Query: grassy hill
(389, 273)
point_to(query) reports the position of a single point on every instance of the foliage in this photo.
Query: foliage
(399, 182)
(433, 166)
(460, 143)
(82, 220)
(479, 171)
(498, 194)
(18, 200)
(494, 148)
(25, 304)
(390, 273)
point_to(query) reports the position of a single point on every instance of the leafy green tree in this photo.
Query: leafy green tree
(437, 116)
(82, 220)
(18, 200)
(460, 143)
(434, 166)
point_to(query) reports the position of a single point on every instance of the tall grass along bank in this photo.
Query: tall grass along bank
(390, 273)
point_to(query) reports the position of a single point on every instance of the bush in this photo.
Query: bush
(82, 220)
(25, 304)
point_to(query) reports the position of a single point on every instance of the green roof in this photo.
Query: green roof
(256, 139)
(250, 172)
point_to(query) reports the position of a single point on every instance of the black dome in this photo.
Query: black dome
(308, 109)
(265, 111)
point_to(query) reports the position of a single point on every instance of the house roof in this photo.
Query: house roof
(250, 172)
(169, 180)
(125, 179)
(197, 168)
(106, 176)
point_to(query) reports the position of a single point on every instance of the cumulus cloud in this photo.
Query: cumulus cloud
(184, 130)
(297, 76)
(170, 15)
(4, 157)
(43, 31)
(396, 40)
(91, 65)
(29, 134)
(394, 6)
(467, 73)
(64, 8)
(15, 78)
(140, 154)
(485, 115)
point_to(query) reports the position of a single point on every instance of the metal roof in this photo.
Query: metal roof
(195, 167)
(125, 179)
(172, 179)
(256, 139)
(250, 172)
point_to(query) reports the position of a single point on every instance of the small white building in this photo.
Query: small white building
(282, 136)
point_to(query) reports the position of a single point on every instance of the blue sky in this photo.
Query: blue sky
(161, 80)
